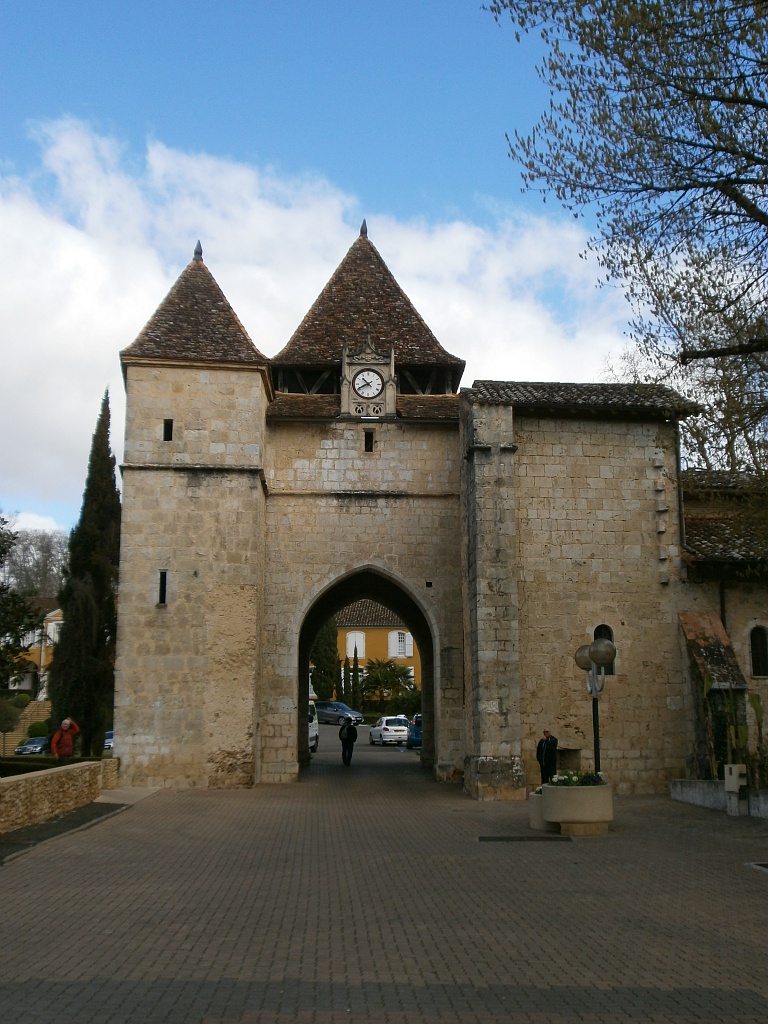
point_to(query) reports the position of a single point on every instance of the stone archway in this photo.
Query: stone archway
(374, 585)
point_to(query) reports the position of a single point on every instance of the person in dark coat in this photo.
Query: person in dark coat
(546, 755)
(347, 735)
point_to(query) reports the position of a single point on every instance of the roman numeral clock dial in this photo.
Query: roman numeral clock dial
(368, 383)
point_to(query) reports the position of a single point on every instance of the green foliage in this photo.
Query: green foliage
(388, 686)
(21, 700)
(656, 127)
(81, 677)
(43, 728)
(18, 616)
(325, 658)
(9, 715)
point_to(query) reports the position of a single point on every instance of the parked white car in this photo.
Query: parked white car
(388, 730)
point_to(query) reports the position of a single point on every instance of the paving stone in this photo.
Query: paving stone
(366, 894)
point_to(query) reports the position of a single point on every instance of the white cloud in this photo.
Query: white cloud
(93, 242)
(32, 521)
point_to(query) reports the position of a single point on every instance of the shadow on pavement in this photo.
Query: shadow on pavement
(23, 839)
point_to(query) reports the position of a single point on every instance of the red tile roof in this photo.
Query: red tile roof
(726, 520)
(194, 323)
(710, 649)
(363, 302)
(588, 401)
(367, 613)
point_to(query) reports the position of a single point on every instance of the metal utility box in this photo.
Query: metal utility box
(735, 777)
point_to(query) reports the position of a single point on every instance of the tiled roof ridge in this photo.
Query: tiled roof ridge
(367, 613)
(611, 396)
(696, 479)
(195, 323)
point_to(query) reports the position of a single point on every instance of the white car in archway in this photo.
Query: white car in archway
(389, 730)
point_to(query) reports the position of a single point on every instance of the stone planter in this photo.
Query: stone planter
(536, 815)
(578, 810)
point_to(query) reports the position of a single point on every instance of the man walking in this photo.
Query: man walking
(347, 735)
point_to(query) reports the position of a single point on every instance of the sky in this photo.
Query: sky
(268, 130)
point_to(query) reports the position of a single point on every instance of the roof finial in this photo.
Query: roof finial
(363, 229)
(198, 257)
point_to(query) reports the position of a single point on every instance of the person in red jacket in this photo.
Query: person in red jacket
(63, 740)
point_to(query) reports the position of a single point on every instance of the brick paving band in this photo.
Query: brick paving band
(372, 894)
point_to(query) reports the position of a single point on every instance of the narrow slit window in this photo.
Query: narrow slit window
(167, 430)
(759, 645)
(162, 587)
(369, 440)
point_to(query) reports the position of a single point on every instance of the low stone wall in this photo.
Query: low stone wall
(758, 803)
(701, 792)
(39, 796)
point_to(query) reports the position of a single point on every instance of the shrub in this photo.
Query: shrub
(39, 728)
(21, 700)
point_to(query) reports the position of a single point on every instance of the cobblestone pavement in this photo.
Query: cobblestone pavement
(372, 894)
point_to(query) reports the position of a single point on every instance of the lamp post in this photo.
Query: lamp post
(594, 659)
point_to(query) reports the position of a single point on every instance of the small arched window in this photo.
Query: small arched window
(355, 639)
(604, 632)
(758, 641)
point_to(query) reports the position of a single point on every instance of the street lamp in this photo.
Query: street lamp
(594, 658)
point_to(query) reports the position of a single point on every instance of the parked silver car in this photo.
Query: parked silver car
(333, 712)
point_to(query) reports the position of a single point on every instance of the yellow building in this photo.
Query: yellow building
(378, 634)
(32, 678)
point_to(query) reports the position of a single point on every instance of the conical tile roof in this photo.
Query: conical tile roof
(363, 302)
(194, 323)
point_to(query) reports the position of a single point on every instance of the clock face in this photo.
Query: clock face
(368, 383)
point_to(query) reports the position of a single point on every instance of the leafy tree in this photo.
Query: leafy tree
(18, 616)
(729, 432)
(9, 718)
(35, 565)
(657, 123)
(82, 677)
(388, 685)
(325, 658)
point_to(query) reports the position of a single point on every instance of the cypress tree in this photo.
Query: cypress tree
(82, 675)
(325, 658)
(354, 693)
(346, 683)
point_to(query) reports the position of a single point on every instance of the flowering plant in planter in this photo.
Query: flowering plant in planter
(577, 779)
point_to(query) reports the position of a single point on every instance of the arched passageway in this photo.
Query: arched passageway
(368, 583)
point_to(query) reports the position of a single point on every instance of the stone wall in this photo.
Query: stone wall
(510, 542)
(576, 526)
(334, 510)
(37, 796)
(493, 768)
(193, 509)
(598, 525)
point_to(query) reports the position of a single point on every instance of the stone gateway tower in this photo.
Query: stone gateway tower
(505, 525)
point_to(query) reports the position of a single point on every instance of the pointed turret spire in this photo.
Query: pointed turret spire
(198, 255)
(363, 229)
